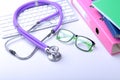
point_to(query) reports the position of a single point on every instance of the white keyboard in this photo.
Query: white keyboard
(29, 18)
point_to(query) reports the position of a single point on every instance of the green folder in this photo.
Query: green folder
(110, 9)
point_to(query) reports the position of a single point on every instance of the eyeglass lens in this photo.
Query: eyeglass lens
(65, 36)
(83, 43)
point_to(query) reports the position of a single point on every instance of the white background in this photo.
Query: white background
(75, 64)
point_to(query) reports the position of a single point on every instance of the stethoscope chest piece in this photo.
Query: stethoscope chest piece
(53, 54)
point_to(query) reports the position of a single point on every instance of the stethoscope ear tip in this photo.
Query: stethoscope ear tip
(12, 52)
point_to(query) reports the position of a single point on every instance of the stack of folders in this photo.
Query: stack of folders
(103, 17)
(109, 10)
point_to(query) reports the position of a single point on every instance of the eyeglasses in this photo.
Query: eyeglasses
(81, 42)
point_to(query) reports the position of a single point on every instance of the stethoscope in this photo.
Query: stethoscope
(51, 51)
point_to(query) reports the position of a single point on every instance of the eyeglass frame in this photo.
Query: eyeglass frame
(76, 36)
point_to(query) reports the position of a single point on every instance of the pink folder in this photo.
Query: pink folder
(93, 19)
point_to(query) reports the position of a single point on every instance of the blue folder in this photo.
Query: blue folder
(113, 29)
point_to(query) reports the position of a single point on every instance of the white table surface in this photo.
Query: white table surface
(75, 64)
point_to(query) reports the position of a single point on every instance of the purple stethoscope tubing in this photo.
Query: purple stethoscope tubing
(26, 34)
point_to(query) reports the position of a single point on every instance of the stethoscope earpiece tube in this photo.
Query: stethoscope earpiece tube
(52, 52)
